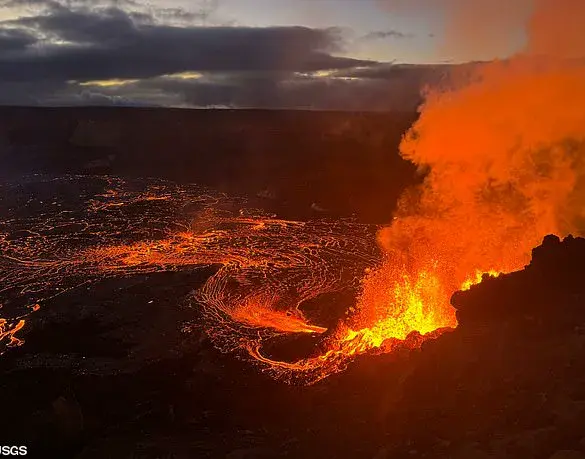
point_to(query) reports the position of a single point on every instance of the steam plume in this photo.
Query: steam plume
(503, 150)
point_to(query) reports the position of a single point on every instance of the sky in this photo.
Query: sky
(315, 54)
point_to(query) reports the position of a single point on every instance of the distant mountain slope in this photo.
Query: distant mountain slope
(346, 162)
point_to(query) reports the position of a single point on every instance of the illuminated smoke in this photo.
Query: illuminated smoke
(502, 146)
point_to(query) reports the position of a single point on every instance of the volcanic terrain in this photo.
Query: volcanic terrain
(191, 284)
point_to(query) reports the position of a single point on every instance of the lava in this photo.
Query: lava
(267, 268)
(478, 278)
(268, 271)
(501, 152)
(501, 146)
(258, 312)
(8, 333)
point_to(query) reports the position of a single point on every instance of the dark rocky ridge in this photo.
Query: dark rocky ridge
(509, 382)
(340, 161)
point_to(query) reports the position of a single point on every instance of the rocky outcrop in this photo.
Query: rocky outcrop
(548, 292)
(510, 380)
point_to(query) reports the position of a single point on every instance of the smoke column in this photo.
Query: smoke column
(502, 147)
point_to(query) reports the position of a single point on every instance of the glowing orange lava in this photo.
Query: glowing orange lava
(8, 332)
(412, 304)
(267, 270)
(258, 312)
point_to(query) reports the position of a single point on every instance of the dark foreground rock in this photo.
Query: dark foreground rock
(509, 382)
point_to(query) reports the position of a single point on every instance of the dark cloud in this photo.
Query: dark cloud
(109, 26)
(260, 90)
(111, 43)
(12, 40)
(245, 91)
(391, 71)
(65, 4)
(381, 35)
(93, 98)
(46, 57)
(49, 4)
(203, 13)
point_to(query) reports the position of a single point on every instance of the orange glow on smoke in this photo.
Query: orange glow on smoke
(502, 146)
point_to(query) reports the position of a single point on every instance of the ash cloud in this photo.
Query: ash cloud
(259, 91)
(502, 145)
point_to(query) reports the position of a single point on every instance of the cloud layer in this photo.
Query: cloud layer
(82, 52)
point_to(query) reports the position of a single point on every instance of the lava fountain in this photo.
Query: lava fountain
(501, 146)
(502, 149)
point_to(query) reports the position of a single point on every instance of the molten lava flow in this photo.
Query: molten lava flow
(258, 312)
(8, 332)
(501, 147)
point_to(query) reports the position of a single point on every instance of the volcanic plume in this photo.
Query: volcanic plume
(501, 147)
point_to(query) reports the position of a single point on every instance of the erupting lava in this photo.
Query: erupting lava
(503, 157)
(8, 332)
(257, 312)
(502, 149)
(268, 269)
